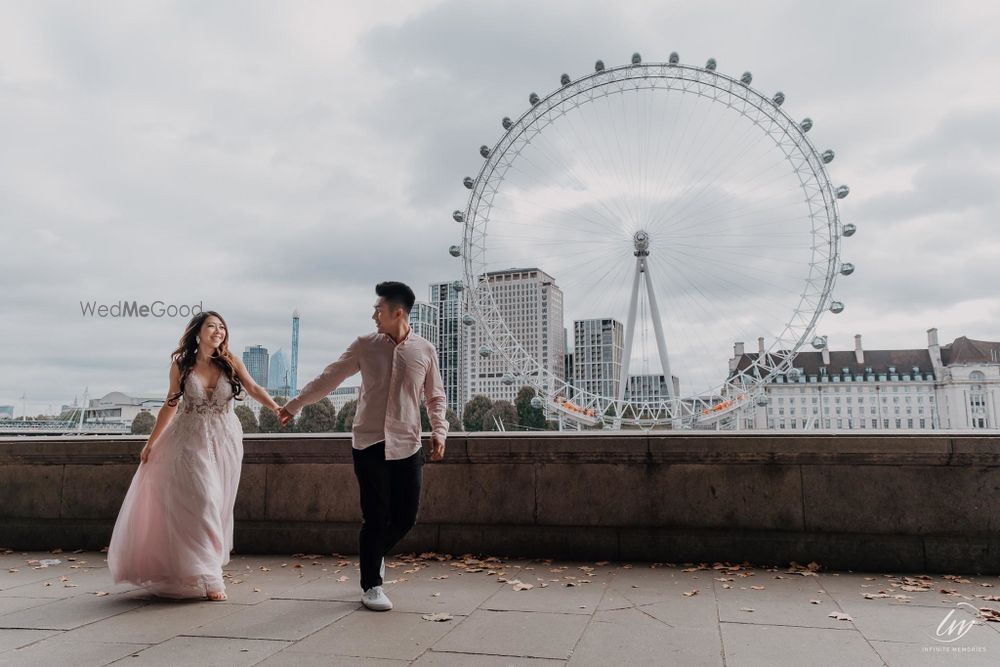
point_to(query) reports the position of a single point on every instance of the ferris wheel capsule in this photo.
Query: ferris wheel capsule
(458, 216)
(846, 269)
(458, 285)
(537, 403)
(836, 306)
(507, 379)
(533, 98)
(711, 65)
(468, 320)
(484, 150)
(793, 374)
(485, 351)
(674, 58)
(455, 251)
(849, 229)
(565, 80)
(806, 124)
(778, 99)
(746, 78)
(763, 400)
(819, 342)
(468, 182)
(599, 66)
(843, 191)
(506, 123)
(827, 156)
(636, 58)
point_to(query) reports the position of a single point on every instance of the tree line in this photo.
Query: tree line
(480, 414)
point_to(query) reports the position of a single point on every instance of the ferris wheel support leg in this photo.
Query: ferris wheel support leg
(629, 335)
(661, 343)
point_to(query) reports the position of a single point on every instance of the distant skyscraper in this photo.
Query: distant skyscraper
(598, 347)
(449, 342)
(531, 305)
(278, 375)
(255, 359)
(294, 374)
(341, 396)
(424, 321)
(649, 388)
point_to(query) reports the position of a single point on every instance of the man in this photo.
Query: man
(396, 365)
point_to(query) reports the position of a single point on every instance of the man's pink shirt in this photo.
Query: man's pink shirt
(393, 375)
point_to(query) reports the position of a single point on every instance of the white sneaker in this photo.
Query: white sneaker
(376, 599)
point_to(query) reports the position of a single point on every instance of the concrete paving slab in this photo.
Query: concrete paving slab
(79, 654)
(207, 652)
(369, 634)
(517, 633)
(630, 636)
(288, 620)
(751, 645)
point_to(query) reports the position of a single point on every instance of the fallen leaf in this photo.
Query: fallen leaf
(691, 593)
(438, 618)
(813, 601)
(840, 616)
(757, 588)
(989, 614)
(523, 587)
(342, 579)
(746, 608)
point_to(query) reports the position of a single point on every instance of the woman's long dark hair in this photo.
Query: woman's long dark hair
(187, 353)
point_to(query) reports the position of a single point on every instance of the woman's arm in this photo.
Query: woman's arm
(252, 388)
(165, 414)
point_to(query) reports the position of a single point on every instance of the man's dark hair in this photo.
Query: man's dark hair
(397, 294)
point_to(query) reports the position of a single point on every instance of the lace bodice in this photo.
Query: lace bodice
(199, 400)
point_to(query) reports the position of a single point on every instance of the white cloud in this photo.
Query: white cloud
(261, 157)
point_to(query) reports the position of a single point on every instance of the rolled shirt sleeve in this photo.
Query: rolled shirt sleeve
(435, 398)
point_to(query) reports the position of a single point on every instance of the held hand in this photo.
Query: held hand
(437, 448)
(284, 416)
(144, 454)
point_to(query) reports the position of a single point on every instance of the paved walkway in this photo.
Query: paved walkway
(303, 610)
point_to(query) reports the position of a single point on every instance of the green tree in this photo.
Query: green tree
(345, 419)
(269, 421)
(503, 412)
(143, 423)
(247, 418)
(472, 416)
(528, 417)
(320, 417)
(454, 423)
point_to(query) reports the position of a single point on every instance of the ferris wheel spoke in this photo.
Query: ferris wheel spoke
(686, 162)
(698, 214)
(738, 287)
(699, 183)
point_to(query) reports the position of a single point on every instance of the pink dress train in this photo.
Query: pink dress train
(175, 529)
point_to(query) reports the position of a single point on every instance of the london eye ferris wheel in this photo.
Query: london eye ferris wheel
(677, 203)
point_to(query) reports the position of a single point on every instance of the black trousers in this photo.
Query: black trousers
(390, 498)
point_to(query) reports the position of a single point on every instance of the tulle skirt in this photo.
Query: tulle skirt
(174, 532)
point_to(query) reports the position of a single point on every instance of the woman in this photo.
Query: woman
(175, 529)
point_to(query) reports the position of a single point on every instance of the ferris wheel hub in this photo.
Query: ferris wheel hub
(641, 241)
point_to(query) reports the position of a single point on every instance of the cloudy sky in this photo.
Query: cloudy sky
(262, 157)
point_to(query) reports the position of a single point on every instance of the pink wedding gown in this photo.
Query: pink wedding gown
(175, 529)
